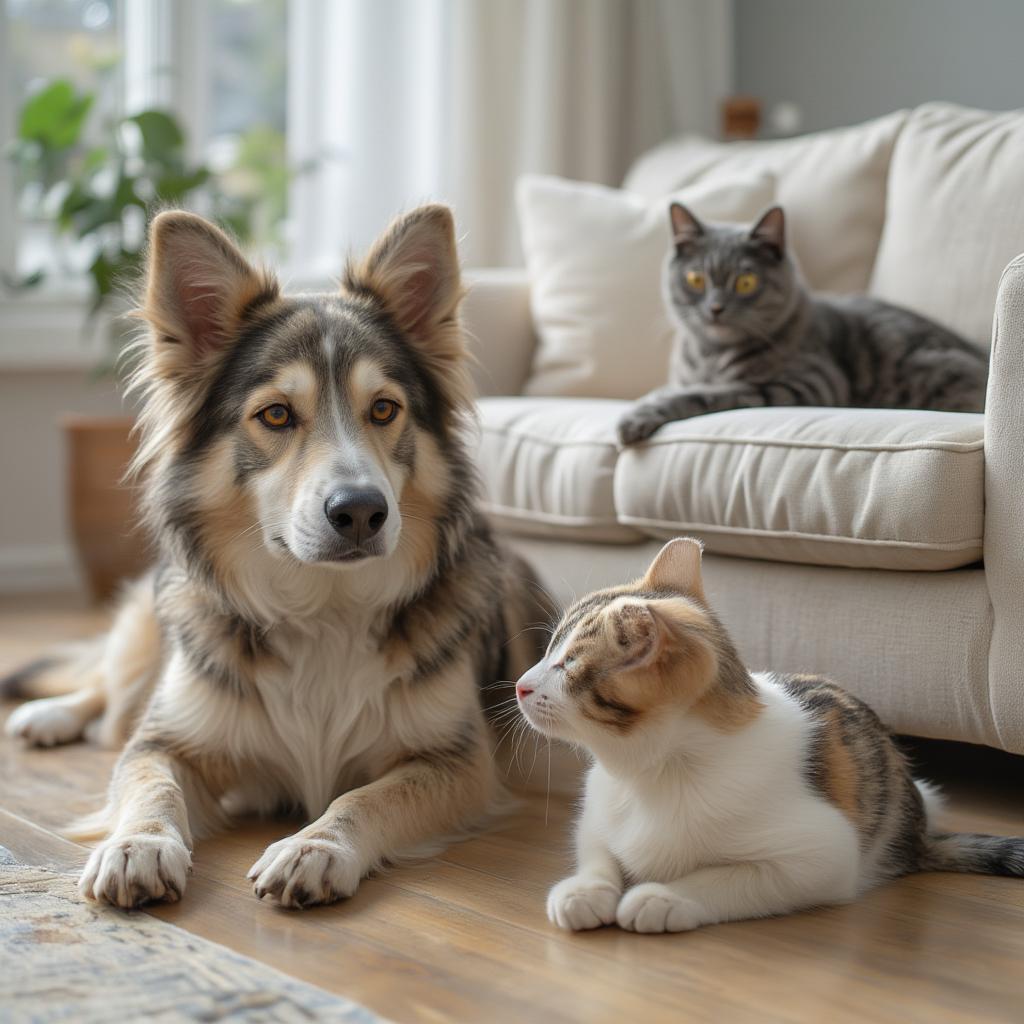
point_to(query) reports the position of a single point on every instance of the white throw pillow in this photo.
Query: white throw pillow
(594, 256)
(955, 215)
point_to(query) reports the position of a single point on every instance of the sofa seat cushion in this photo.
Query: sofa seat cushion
(885, 489)
(548, 467)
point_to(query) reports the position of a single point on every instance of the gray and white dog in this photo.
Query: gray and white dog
(328, 598)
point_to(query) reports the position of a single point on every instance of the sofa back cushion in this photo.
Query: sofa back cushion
(831, 183)
(594, 255)
(955, 215)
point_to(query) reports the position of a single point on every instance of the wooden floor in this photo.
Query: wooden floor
(464, 937)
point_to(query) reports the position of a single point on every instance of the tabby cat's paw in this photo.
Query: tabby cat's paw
(639, 424)
(653, 907)
(578, 903)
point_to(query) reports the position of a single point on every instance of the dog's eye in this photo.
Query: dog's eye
(276, 417)
(383, 411)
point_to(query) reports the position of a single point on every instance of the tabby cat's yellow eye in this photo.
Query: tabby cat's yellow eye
(746, 284)
(383, 411)
(276, 417)
(695, 280)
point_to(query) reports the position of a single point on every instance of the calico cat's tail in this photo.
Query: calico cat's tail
(974, 853)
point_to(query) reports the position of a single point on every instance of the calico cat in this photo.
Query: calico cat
(750, 334)
(717, 794)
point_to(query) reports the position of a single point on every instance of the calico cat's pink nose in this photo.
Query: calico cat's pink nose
(522, 690)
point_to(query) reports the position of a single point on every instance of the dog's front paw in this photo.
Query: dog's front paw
(639, 424)
(129, 870)
(581, 902)
(653, 907)
(302, 871)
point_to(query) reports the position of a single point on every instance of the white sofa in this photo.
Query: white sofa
(883, 548)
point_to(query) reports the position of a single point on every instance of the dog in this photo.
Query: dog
(327, 600)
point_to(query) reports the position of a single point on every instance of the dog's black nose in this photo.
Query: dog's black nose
(357, 514)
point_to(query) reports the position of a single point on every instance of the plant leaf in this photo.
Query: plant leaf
(174, 186)
(162, 138)
(54, 116)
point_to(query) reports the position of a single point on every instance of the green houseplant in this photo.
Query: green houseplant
(92, 181)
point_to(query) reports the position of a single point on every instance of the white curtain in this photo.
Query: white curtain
(400, 101)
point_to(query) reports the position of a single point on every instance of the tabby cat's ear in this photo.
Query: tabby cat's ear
(676, 567)
(770, 230)
(686, 229)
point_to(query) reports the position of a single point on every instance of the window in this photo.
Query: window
(78, 40)
(218, 67)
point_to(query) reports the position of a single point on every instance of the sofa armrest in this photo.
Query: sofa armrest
(496, 312)
(1004, 508)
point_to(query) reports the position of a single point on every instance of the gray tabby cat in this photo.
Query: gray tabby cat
(750, 334)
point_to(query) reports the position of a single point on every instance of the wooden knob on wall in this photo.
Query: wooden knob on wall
(741, 117)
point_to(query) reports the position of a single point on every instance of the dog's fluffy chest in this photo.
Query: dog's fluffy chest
(313, 721)
(325, 710)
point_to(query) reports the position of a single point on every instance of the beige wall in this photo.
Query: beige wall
(35, 550)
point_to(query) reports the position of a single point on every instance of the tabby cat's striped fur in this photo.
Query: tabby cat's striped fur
(750, 334)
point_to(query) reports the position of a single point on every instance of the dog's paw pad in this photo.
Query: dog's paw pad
(127, 871)
(301, 872)
(45, 723)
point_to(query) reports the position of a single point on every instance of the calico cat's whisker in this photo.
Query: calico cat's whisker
(547, 789)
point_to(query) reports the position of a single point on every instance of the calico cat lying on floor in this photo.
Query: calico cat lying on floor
(717, 794)
(750, 334)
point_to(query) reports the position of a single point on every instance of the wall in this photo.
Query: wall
(35, 551)
(843, 61)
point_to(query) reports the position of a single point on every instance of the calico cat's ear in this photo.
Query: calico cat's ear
(686, 229)
(635, 632)
(770, 231)
(677, 567)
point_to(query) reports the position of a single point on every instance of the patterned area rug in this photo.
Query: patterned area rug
(66, 960)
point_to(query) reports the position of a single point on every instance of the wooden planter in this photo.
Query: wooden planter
(111, 546)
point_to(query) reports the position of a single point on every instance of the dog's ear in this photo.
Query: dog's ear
(198, 288)
(412, 271)
(676, 567)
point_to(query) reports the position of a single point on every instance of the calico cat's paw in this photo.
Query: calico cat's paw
(639, 424)
(581, 902)
(653, 907)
